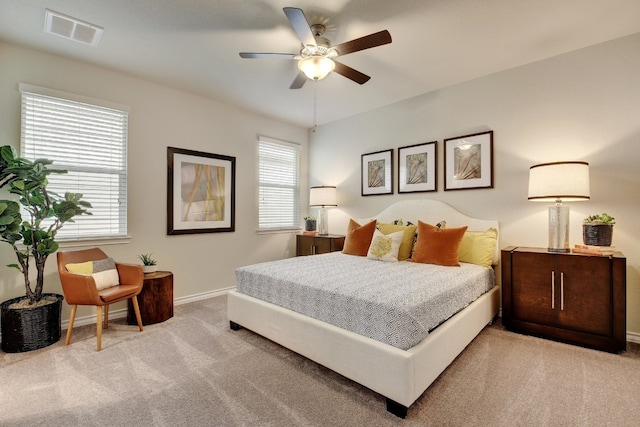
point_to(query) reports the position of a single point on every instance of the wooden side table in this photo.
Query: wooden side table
(155, 299)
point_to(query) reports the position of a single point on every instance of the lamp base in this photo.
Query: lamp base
(559, 228)
(323, 222)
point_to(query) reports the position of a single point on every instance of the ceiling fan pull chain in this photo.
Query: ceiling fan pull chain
(315, 105)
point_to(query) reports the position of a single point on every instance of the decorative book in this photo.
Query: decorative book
(593, 250)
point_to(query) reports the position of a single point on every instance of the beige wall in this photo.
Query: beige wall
(159, 117)
(584, 105)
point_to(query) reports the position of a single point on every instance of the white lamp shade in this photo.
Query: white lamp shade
(565, 181)
(316, 67)
(322, 196)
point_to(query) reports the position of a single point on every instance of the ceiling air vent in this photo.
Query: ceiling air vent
(71, 28)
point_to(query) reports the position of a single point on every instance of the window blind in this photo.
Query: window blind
(279, 185)
(90, 141)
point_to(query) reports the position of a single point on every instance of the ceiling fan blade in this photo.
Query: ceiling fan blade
(350, 73)
(268, 55)
(366, 42)
(300, 25)
(299, 81)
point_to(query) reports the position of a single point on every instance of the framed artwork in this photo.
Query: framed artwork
(468, 161)
(200, 192)
(377, 173)
(417, 168)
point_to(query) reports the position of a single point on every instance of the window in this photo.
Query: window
(279, 185)
(89, 139)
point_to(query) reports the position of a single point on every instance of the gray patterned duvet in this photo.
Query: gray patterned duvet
(394, 303)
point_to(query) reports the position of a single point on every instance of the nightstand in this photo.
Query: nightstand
(313, 245)
(574, 298)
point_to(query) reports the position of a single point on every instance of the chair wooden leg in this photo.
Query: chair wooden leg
(106, 317)
(136, 308)
(99, 326)
(71, 319)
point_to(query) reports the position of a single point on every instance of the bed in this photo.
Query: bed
(399, 374)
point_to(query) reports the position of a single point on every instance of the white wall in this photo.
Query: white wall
(584, 105)
(160, 117)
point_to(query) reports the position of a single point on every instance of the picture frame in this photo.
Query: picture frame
(468, 161)
(200, 192)
(377, 173)
(417, 168)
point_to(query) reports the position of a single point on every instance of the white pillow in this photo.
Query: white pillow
(385, 247)
(105, 273)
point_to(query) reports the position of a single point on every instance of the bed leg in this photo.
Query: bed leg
(396, 409)
(493, 319)
(234, 326)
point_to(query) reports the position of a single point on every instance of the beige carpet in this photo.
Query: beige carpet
(193, 371)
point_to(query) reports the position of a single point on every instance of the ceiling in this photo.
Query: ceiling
(193, 45)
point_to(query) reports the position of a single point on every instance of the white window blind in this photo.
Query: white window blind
(90, 141)
(279, 185)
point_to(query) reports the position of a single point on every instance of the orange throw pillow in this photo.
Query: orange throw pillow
(358, 238)
(437, 245)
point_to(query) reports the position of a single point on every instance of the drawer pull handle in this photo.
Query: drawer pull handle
(561, 291)
(553, 289)
(313, 250)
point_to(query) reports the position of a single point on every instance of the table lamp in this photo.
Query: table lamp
(323, 196)
(559, 182)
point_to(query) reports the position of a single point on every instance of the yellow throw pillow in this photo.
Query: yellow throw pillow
(84, 268)
(407, 238)
(477, 247)
(437, 246)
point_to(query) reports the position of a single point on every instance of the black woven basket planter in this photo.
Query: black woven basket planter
(27, 329)
(597, 234)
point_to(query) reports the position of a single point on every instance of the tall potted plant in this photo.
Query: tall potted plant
(32, 321)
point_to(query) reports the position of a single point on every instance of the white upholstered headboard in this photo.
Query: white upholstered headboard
(432, 212)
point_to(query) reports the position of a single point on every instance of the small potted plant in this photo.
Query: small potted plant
(597, 230)
(309, 223)
(148, 264)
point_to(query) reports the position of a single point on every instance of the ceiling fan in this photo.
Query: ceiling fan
(317, 57)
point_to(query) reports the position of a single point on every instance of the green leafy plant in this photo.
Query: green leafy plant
(147, 260)
(603, 218)
(46, 211)
(310, 218)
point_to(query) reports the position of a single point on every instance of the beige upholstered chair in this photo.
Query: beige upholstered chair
(81, 289)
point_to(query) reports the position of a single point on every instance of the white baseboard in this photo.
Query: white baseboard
(204, 295)
(118, 314)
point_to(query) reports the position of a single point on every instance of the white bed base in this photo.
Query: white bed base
(401, 376)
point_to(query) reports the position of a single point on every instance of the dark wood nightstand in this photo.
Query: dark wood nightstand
(574, 298)
(313, 245)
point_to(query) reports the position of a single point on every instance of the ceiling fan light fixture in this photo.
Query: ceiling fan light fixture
(316, 67)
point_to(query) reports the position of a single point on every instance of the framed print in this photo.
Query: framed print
(200, 192)
(417, 168)
(377, 173)
(468, 161)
